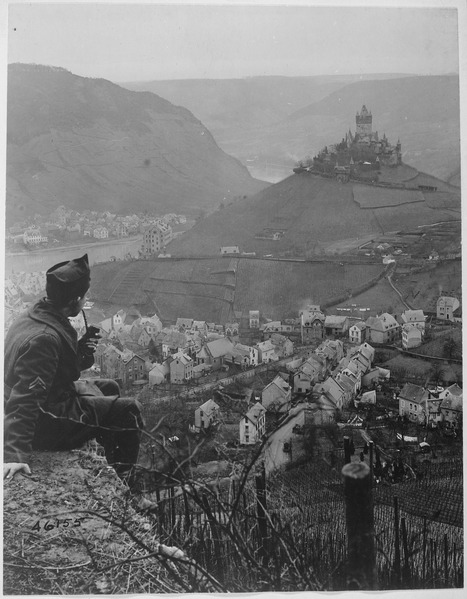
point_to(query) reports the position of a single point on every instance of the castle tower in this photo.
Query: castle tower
(364, 122)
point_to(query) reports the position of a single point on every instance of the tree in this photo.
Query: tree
(436, 372)
(450, 348)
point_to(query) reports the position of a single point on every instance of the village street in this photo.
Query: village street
(274, 454)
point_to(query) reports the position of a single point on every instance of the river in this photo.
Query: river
(42, 259)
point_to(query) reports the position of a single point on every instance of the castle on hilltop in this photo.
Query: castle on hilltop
(358, 156)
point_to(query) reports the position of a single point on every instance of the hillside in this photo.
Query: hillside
(88, 143)
(271, 122)
(312, 213)
(213, 289)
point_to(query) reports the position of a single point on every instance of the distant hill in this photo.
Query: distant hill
(270, 122)
(312, 215)
(230, 105)
(88, 143)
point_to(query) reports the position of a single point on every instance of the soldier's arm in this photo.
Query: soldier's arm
(34, 373)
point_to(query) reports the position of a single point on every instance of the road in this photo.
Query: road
(274, 455)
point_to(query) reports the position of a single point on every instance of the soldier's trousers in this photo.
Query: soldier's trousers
(96, 412)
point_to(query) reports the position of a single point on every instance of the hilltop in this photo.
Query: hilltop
(90, 144)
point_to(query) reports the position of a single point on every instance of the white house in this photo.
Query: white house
(357, 332)
(206, 415)
(158, 374)
(411, 336)
(253, 425)
(181, 368)
(266, 351)
(230, 249)
(446, 306)
(414, 317)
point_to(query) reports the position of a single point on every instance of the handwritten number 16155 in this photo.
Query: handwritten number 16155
(51, 524)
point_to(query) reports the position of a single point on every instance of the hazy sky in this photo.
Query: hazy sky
(129, 42)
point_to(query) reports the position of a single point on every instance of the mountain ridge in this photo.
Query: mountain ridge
(270, 124)
(87, 143)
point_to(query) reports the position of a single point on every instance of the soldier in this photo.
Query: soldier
(46, 405)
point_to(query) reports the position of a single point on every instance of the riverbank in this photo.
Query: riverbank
(74, 246)
(98, 251)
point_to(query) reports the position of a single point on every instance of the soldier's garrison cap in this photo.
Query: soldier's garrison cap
(68, 280)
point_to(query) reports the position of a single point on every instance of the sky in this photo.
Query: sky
(138, 42)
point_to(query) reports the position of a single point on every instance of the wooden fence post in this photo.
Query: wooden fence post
(261, 508)
(397, 548)
(347, 450)
(361, 557)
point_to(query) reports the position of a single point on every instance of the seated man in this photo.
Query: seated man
(46, 406)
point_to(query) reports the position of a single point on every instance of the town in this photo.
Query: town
(65, 226)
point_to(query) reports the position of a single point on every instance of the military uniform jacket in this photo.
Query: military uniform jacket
(42, 360)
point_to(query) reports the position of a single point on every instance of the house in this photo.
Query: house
(306, 377)
(158, 374)
(213, 353)
(334, 391)
(332, 351)
(311, 324)
(336, 325)
(411, 336)
(133, 367)
(414, 317)
(276, 326)
(200, 326)
(351, 383)
(181, 368)
(276, 396)
(253, 425)
(410, 402)
(451, 406)
(418, 404)
(100, 232)
(240, 355)
(253, 316)
(152, 324)
(357, 332)
(374, 376)
(446, 306)
(266, 351)
(230, 249)
(206, 415)
(156, 236)
(172, 341)
(231, 329)
(184, 324)
(283, 347)
(383, 328)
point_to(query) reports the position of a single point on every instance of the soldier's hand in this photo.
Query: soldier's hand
(11, 468)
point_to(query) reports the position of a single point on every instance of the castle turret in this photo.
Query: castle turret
(364, 122)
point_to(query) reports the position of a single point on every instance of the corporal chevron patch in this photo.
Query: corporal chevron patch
(37, 384)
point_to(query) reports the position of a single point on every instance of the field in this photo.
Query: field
(281, 289)
(380, 298)
(376, 197)
(422, 289)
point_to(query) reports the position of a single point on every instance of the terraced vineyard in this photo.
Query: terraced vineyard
(280, 289)
(211, 289)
